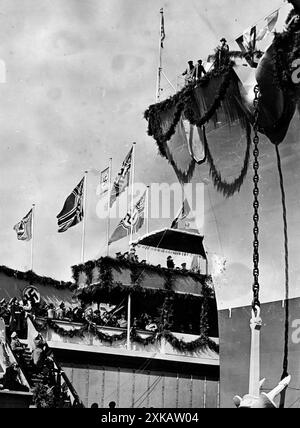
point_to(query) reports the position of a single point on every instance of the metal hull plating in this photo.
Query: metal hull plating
(228, 235)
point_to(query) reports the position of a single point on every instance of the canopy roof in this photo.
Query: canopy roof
(174, 241)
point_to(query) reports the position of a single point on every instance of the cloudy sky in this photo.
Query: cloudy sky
(80, 74)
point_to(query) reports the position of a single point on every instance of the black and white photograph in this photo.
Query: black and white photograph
(150, 207)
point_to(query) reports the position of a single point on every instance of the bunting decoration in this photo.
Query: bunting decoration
(72, 212)
(24, 227)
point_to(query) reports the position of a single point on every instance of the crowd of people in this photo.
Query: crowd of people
(16, 312)
(132, 257)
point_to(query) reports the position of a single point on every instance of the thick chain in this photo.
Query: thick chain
(256, 302)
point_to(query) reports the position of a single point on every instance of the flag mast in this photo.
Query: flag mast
(132, 190)
(108, 203)
(159, 71)
(148, 217)
(32, 237)
(84, 216)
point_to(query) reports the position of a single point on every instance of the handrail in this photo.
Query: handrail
(32, 332)
(71, 388)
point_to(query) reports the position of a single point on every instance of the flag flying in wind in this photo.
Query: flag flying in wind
(24, 228)
(186, 219)
(270, 25)
(133, 219)
(247, 41)
(162, 28)
(72, 212)
(182, 214)
(104, 181)
(122, 180)
(247, 44)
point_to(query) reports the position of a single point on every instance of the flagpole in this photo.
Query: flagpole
(84, 216)
(159, 71)
(32, 238)
(148, 217)
(108, 206)
(132, 190)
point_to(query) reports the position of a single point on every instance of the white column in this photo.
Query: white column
(128, 322)
(254, 375)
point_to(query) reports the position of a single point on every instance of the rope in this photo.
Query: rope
(286, 257)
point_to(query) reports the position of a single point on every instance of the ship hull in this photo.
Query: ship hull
(228, 232)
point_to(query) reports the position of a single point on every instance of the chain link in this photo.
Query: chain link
(256, 302)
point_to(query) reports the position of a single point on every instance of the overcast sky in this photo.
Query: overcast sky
(80, 74)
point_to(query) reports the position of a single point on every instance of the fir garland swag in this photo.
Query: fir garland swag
(180, 103)
(80, 332)
(228, 189)
(202, 343)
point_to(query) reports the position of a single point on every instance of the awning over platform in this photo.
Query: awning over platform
(174, 241)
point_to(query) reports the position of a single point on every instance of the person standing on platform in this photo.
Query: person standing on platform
(188, 73)
(199, 70)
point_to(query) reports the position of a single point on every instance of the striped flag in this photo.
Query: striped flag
(72, 212)
(24, 228)
(122, 180)
(162, 28)
(133, 219)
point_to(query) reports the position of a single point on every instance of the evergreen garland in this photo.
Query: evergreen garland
(166, 318)
(201, 343)
(286, 50)
(143, 340)
(136, 274)
(76, 272)
(229, 189)
(88, 270)
(80, 332)
(43, 397)
(180, 103)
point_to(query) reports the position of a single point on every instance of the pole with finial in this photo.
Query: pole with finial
(161, 45)
(84, 216)
(32, 237)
